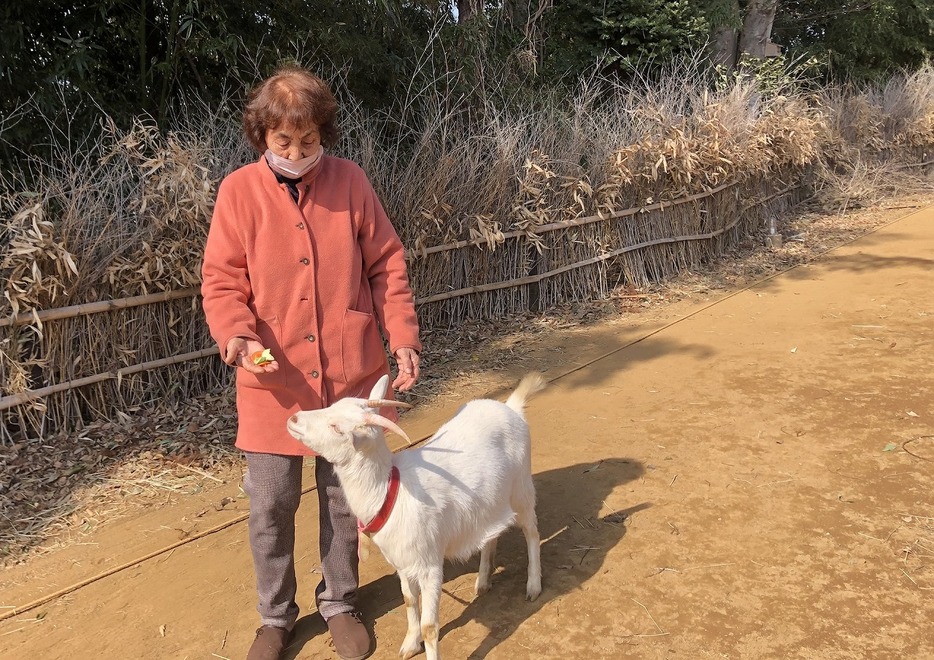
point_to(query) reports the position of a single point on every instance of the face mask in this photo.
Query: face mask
(293, 169)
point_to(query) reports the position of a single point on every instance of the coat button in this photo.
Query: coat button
(314, 374)
(310, 337)
(300, 225)
(305, 261)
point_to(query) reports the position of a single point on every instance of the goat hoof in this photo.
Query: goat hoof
(532, 594)
(482, 589)
(410, 650)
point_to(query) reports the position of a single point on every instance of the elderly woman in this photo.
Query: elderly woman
(302, 260)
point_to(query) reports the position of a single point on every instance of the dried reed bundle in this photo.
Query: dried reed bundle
(873, 132)
(504, 208)
(127, 215)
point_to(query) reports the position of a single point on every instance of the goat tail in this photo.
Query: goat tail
(529, 385)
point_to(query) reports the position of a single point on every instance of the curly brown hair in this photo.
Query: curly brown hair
(292, 96)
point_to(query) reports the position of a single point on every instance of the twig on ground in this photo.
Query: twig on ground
(197, 471)
(661, 632)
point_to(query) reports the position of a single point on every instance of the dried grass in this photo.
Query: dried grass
(57, 491)
(873, 132)
(128, 214)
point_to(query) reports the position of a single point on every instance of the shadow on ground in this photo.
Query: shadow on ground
(591, 368)
(861, 262)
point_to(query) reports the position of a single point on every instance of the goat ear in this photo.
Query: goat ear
(358, 439)
(379, 390)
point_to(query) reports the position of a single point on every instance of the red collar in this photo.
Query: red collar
(377, 523)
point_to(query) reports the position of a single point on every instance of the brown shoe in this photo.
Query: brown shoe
(351, 638)
(269, 644)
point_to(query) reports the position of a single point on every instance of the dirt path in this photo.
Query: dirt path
(750, 480)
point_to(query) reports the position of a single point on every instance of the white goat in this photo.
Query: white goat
(456, 494)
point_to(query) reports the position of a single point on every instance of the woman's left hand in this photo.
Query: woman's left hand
(407, 361)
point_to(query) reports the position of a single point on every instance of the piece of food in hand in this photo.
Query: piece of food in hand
(262, 357)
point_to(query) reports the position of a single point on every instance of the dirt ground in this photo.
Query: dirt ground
(744, 474)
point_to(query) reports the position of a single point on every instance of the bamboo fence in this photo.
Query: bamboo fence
(587, 257)
(529, 270)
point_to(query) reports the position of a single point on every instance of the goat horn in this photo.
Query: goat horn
(386, 403)
(382, 422)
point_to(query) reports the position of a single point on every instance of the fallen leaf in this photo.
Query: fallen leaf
(162, 630)
(794, 350)
(592, 468)
(890, 447)
(912, 413)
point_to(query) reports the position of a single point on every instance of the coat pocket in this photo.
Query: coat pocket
(362, 350)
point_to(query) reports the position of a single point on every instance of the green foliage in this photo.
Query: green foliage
(621, 33)
(63, 59)
(771, 76)
(68, 63)
(858, 39)
(721, 12)
(64, 65)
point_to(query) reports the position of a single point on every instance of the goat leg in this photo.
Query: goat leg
(412, 644)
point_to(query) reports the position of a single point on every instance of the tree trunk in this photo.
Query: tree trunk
(467, 9)
(724, 33)
(723, 46)
(171, 61)
(757, 27)
(142, 36)
(526, 16)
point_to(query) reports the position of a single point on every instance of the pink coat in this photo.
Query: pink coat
(314, 282)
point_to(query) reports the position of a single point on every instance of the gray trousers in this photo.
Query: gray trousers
(274, 486)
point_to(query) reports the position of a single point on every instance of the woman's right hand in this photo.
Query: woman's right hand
(239, 350)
